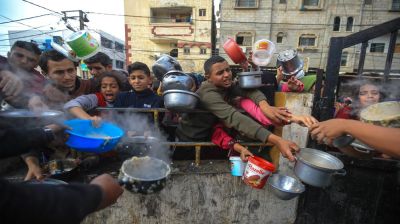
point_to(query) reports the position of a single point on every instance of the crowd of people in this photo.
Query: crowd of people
(58, 87)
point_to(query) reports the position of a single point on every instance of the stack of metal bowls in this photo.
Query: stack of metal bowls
(178, 95)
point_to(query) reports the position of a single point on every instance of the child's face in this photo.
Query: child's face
(139, 80)
(368, 95)
(109, 88)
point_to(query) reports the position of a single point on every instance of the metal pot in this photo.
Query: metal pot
(144, 175)
(249, 80)
(163, 65)
(177, 80)
(290, 62)
(138, 145)
(179, 100)
(27, 118)
(285, 187)
(317, 168)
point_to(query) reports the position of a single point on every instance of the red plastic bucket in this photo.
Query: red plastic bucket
(257, 172)
(233, 50)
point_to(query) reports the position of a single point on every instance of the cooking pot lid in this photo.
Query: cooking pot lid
(21, 113)
(145, 168)
(384, 111)
(319, 159)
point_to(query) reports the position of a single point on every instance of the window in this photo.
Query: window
(311, 2)
(119, 64)
(397, 48)
(367, 2)
(246, 3)
(202, 12)
(349, 24)
(119, 47)
(106, 42)
(279, 38)
(396, 5)
(244, 39)
(343, 60)
(203, 50)
(282, 1)
(186, 50)
(307, 40)
(377, 47)
(336, 23)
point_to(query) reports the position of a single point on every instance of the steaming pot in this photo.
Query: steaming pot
(249, 80)
(290, 62)
(144, 175)
(177, 80)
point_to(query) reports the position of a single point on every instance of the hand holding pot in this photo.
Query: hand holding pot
(286, 147)
(110, 187)
(326, 131)
(10, 84)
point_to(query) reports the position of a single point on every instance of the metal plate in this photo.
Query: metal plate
(30, 114)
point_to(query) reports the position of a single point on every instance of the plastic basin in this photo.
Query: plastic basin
(86, 138)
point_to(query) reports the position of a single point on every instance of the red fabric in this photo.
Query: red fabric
(220, 137)
(344, 113)
(285, 87)
(101, 102)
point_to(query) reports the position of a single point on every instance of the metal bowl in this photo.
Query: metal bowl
(177, 80)
(285, 187)
(249, 80)
(290, 62)
(180, 100)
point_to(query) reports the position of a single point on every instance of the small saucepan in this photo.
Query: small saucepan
(144, 175)
(317, 168)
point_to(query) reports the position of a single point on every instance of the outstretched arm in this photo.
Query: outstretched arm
(383, 139)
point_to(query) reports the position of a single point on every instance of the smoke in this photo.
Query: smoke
(141, 125)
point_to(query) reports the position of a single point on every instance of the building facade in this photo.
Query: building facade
(308, 25)
(180, 28)
(113, 47)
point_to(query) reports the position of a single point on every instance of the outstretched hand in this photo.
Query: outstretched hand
(326, 131)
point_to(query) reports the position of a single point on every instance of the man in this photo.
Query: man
(64, 84)
(22, 60)
(32, 203)
(214, 94)
(100, 63)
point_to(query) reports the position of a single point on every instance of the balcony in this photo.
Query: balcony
(171, 23)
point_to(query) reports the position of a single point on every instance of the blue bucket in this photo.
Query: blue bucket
(237, 166)
(86, 138)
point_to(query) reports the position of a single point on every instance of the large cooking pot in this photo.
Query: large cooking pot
(317, 168)
(163, 65)
(180, 100)
(177, 80)
(250, 80)
(27, 118)
(386, 114)
(290, 62)
(144, 175)
(138, 145)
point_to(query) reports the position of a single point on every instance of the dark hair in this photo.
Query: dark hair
(31, 47)
(363, 82)
(139, 66)
(211, 61)
(112, 74)
(52, 55)
(101, 58)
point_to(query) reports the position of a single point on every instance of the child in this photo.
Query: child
(141, 96)
(109, 86)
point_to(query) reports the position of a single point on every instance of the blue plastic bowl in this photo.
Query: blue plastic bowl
(86, 138)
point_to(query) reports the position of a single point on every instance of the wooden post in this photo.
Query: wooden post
(198, 152)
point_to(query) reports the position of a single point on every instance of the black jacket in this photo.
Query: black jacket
(143, 99)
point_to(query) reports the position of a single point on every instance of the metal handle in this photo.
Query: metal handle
(342, 141)
(341, 172)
